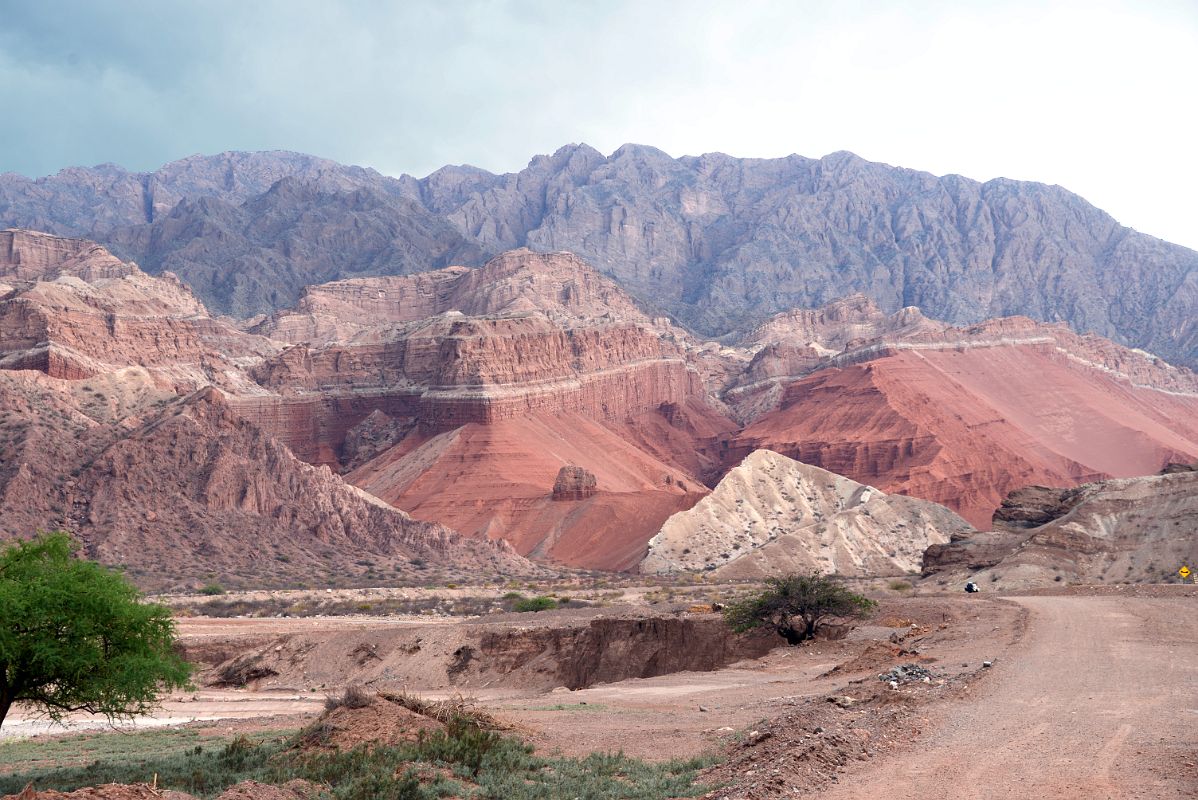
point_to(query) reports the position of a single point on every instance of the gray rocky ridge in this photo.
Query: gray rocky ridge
(717, 241)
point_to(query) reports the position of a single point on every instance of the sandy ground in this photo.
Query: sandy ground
(1092, 695)
(1099, 700)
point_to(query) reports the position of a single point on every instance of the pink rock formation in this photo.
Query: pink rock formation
(72, 310)
(177, 489)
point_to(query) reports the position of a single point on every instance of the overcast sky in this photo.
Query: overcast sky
(1100, 97)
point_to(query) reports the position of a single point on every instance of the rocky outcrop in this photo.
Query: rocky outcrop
(1033, 506)
(561, 285)
(73, 310)
(372, 436)
(574, 483)
(772, 515)
(719, 242)
(1118, 531)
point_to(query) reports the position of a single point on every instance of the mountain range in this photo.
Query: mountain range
(716, 242)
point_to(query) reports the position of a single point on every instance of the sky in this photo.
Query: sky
(1099, 97)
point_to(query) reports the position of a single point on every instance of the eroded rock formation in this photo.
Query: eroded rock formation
(184, 490)
(719, 242)
(772, 515)
(71, 309)
(1124, 530)
(574, 483)
(962, 416)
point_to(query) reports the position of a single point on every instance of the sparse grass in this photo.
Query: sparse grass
(458, 709)
(462, 761)
(899, 586)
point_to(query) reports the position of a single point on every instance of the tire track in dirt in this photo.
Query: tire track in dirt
(1099, 701)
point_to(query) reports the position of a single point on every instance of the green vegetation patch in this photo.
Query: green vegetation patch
(462, 761)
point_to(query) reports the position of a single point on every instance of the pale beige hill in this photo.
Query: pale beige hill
(1125, 530)
(773, 515)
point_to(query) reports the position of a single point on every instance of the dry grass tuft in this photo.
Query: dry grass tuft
(457, 709)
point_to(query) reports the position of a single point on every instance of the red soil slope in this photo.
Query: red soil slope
(965, 426)
(496, 480)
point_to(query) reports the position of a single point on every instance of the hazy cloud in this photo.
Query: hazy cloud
(1096, 96)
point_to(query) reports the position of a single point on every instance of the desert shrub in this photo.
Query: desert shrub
(212, 589)
(899, 586)
(513, 596)
(354, 696)
(535, 604)
(796, 605)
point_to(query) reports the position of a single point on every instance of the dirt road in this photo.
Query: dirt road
(1099, 700)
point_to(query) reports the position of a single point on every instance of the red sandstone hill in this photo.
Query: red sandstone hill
(462, 394)
(183, 490)
(71, 309)
(530, 400)
(962, 416)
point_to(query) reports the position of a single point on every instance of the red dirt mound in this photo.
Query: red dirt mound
(382, 722)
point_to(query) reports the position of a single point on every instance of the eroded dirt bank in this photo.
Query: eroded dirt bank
(574, 649)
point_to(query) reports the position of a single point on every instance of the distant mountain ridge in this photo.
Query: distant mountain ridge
(718, 242)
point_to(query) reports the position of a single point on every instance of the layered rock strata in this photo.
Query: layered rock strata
(71, 309)
(720, 242)
(961, 416)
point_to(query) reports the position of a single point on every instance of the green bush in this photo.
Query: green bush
(213, 589)
(76, 636)
(535, 604)
(796, 605)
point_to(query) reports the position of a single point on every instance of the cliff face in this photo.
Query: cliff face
(719, 242)
(530, 364)
(962, 427)
(771, 515)
(960, 416)
(561, 285)
(1128, 530)
(527, 334)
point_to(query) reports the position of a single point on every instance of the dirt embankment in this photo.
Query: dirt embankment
(550, 651)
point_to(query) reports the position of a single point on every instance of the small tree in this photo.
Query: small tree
(75, 636)
(796, 605)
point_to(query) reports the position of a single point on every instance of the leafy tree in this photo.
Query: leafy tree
(796, 605)
(75, 636)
